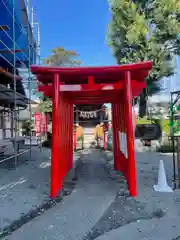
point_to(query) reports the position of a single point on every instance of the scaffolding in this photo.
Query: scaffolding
(19, 48)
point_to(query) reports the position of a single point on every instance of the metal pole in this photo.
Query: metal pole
(27, 7)
(29, 85)
(32, 19)
(172, 139)
(178, 159)
(39, 42)
(14, 118)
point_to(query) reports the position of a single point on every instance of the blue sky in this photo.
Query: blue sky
(76, 25)
(79, 25)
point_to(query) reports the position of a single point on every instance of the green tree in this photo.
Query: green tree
(61, 57)
(58, 57)
(45, 104)
(146, 30)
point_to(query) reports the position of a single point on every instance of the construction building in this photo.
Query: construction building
(19, 48)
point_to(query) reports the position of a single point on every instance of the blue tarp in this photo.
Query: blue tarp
(21, 34)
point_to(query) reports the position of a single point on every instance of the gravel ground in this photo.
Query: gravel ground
(100, 207)
(23, 188)
(24, 191)
(151, 215)
(77, 213)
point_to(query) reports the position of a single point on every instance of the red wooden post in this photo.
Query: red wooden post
(65, 137)
(122, 161)
(113, 126)
(119, 121)
(118, 118)
(62, 163)
(74, 135)
(105, 140)
(68, 144)
(71, 135)
(55, 136)
(130, 135)
(114, 130)
(60, 144)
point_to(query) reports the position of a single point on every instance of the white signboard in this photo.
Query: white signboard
(71, 88)
(74, 87)
(88, 115)
(123, 143)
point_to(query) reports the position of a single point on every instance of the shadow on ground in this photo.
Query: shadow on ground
(122, 211)
(148, 205)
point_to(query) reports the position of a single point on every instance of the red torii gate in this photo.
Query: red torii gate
(92, 85)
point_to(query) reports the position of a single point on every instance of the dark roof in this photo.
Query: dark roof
(7, 97)
(6, 80)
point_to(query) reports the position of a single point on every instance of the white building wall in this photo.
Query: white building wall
(172, 83)
(5, 126)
